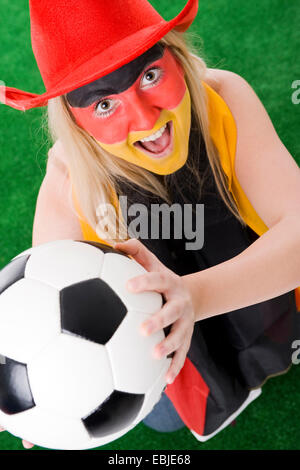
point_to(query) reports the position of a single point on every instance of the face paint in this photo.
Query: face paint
(147, 123)
(115, 82)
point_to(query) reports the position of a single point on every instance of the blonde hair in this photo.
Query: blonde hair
(94, 172)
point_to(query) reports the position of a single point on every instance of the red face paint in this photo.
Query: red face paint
(160, 86)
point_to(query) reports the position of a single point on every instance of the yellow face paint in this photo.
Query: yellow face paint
(180, 118)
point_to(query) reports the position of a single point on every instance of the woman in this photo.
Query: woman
(144, 118)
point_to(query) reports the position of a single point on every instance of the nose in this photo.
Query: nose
(142, 111)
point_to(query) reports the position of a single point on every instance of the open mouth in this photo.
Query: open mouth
(158, 145)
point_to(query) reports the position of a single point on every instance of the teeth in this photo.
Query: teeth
(155, 136)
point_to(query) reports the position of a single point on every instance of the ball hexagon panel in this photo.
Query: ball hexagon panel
(64, 262)
(15, 392)
(43, 247)
(117, 271)
(115, 414)
(92, 310)
(13, 272)
(134, 367)
(71, 376)
(30, 318)
(48, 429)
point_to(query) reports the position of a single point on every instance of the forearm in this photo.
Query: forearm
(266, 269)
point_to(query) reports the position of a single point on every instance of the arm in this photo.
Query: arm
(55, 217)
(270, 178)
(269, 267)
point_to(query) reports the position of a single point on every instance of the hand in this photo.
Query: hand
(26, 444)
(178, 309)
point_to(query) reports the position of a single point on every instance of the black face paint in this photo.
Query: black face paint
(116, 82)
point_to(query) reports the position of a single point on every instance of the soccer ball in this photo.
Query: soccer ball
(75, 371)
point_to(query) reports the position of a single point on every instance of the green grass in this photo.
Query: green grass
(259, 40)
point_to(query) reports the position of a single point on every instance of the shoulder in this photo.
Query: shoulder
(241, 99)
(261, 159)
(252, 120)
(253, 124)
(213, 78)
(229, 85)
(239, 96)
(57, 157)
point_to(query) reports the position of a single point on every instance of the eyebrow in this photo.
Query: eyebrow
(116, 82)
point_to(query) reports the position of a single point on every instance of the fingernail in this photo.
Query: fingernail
(159, 353)
(148, 328)
(170, 379)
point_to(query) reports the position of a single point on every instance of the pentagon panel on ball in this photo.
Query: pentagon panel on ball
(75, 371)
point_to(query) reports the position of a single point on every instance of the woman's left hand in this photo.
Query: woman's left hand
(178, 309)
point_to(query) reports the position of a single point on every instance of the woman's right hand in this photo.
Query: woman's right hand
(26, 444)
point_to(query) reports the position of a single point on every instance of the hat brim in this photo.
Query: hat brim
(117, 56)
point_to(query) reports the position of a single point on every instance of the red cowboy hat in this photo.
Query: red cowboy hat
(76, 42)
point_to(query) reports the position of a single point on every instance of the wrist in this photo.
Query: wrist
(188, 282)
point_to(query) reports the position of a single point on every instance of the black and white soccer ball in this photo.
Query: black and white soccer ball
(75, 371)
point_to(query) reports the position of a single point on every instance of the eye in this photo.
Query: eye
(152, 76)
(104, 107)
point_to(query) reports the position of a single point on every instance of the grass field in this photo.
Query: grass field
(259, 40)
